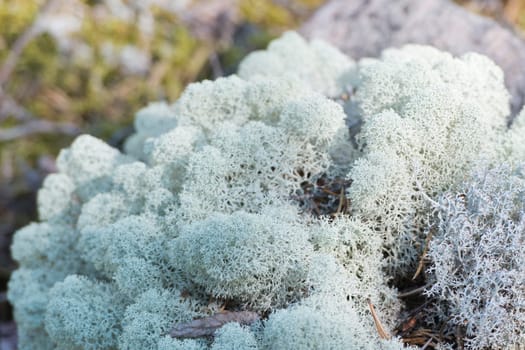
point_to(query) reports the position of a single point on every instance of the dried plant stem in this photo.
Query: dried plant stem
(10, 108)
(216, 65)
(37, 127)
(423, 256)
(383, 334)
(413, 291)
(206, 327)
(427, 343)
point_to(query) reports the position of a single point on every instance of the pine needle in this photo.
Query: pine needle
(383, 334)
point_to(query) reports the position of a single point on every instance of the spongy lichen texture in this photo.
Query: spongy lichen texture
(316, 64)
(198, 213)
(478, 258)
(428, 120)
(254, 258)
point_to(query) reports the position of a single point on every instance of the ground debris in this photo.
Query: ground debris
(324, 197)
(206, 327)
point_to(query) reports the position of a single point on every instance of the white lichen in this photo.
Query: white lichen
(200, 212)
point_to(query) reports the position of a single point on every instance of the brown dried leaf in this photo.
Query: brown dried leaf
(205, 327)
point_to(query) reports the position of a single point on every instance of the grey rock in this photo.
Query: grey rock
(363, 28)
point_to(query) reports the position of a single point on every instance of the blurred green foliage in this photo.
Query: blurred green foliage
(94, 93)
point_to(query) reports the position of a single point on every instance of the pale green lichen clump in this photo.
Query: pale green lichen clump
(198, 212)
(429, 119)
(316, 64)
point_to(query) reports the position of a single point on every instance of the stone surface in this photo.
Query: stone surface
(365, 27)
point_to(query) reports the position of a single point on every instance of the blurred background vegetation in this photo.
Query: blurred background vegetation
(85, 66)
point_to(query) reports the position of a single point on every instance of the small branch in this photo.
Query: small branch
(341, 200)
(460, 336)
(427, 343)
(10, 108)
(22, 41)
(206, 327)
(37, 127)
(421, 264)
(412, 291)
(216, 65)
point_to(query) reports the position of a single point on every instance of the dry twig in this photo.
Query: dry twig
(206, 327)
(37, 127)
(423, 256)
(216, 65)
(429, 341)
(383, 333)
(10, 108)
(414, 291)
